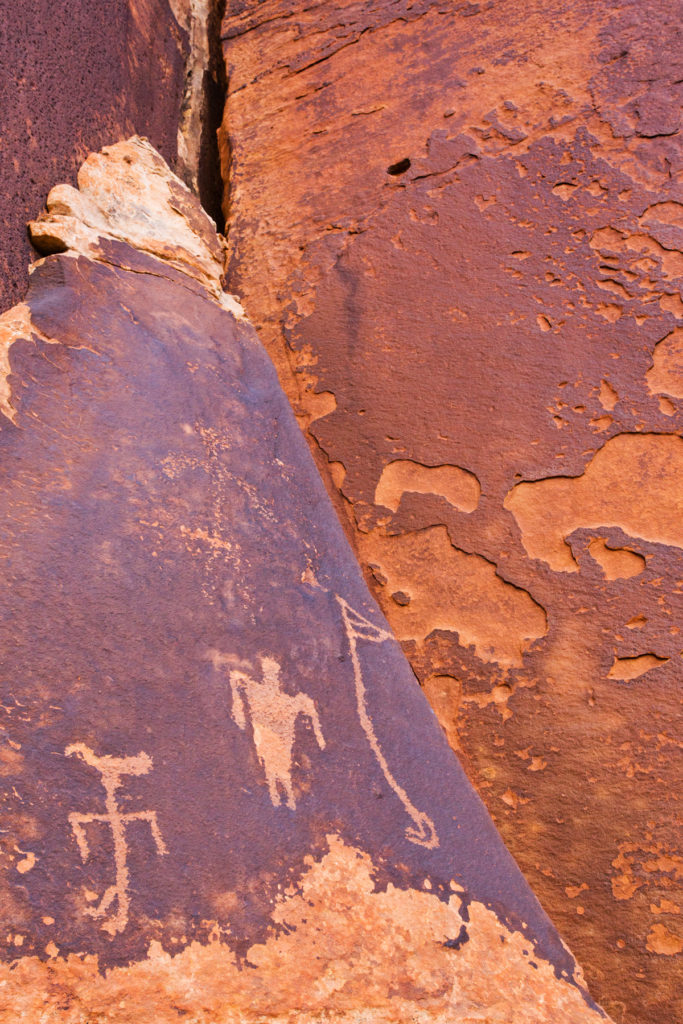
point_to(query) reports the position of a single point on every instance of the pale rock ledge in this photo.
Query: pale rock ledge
(127, 193)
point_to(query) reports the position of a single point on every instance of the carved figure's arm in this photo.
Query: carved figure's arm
(308, 708)
(238, 680)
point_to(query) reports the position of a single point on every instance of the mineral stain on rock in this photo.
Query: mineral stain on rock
(463, 593)
(460, 488)
(547, 511)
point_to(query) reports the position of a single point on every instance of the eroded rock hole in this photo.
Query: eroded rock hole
(399, 168)
(461, 938)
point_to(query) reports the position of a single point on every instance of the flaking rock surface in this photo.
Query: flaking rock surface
(225, 796)
(458, 230)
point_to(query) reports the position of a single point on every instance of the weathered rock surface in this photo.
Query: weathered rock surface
(74, 76)
(225, 796)
(457, 227)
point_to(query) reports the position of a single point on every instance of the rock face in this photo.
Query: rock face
(73, 77)
(225, 796)
(458, 230)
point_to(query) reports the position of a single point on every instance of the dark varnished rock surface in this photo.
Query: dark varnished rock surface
(74, 76)
(472, 215)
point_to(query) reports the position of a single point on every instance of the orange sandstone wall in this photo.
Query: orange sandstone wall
(458, 229)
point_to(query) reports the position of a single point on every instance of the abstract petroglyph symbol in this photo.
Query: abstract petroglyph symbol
(274, 714)
(359, 628)
(112, 769)
(212, 540)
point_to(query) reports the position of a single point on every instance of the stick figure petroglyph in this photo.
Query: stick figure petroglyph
(357, 627)
(274, 714)
(112, 769)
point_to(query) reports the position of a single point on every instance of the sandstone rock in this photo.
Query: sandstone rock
(225, 796)
(457, 230)
(127, 198)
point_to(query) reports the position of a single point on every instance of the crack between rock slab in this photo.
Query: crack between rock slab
(199, 290)
(202, 108)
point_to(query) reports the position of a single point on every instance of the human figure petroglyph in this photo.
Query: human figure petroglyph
(357, 628)
(112, 769)
(273, 714)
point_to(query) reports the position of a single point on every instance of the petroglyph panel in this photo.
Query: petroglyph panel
(273, 714)
(112, 770)
(358, 628)
(224, 792)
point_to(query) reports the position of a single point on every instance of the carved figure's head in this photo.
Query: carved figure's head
(270, 669)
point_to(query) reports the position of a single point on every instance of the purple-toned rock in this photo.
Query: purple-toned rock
(73, 77)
